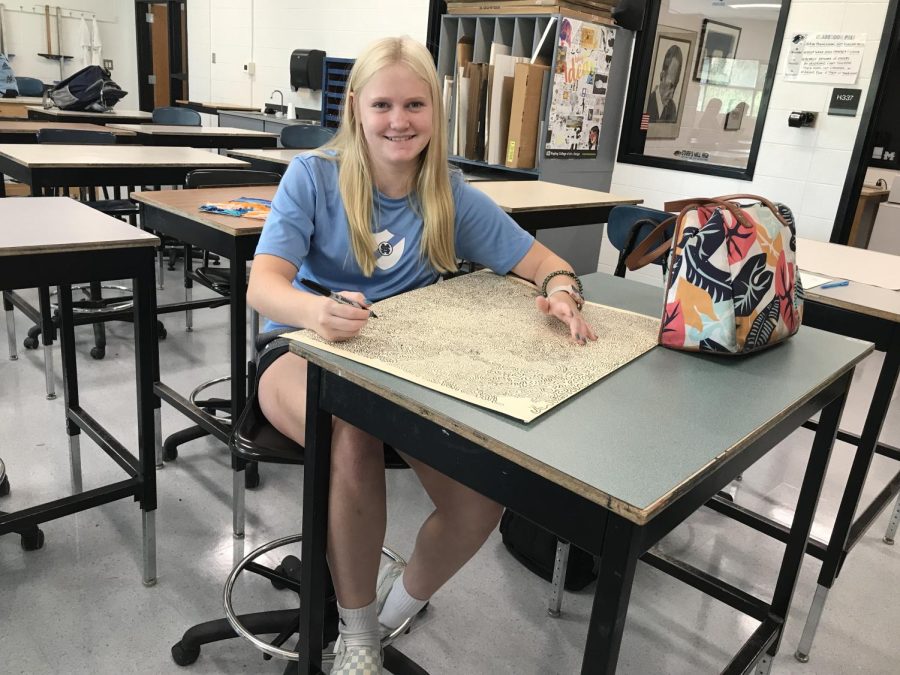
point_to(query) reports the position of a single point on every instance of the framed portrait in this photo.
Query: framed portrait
(669, 70)
(718, 48)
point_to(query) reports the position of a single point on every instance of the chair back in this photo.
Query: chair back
(183, 117)
(305, 136)
(75, 137)
(199, 178)
(629, 225)
(30, 86)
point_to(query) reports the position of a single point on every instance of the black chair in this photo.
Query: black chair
(32, 537)
(255, 440)
(183, 117)
(217, 279)
(29, 86)
(630, 225)
(305, 136)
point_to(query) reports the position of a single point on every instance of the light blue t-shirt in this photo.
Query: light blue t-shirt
(308, 227)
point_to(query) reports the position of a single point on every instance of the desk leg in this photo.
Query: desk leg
(805, 511)
(892, 525)
(621, 551)
(146, 361)
(70, 381)
(47, 335)
(839, 543)
(316, 476)
(10, 327)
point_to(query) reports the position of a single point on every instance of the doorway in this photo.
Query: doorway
(161, 29)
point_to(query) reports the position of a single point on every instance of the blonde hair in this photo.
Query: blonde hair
(432, 198)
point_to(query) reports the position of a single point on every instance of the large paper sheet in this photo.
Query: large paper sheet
(480, 338)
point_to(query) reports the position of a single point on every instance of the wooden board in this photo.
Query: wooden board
(845, 262)
(276, 155)
(35, 156)
(480, 338)
(187, 203)
(48, 224)
(516, 196)
(32, 126)
(115, 112)
(180, 130)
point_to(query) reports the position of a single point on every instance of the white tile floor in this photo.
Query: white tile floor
(78, 606)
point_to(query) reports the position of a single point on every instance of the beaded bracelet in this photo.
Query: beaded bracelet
(564, 273)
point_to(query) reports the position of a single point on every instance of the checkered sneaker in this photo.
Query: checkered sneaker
(357, 660)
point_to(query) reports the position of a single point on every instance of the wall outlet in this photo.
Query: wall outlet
(250, 68)
(108, 64)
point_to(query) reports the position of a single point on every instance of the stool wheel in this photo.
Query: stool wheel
(289, 567)
(265, 647)
(170, 454)
(4, 487)
(30, 342)
(33, 540)
(161, 331)
(184, 657)
(97, 353)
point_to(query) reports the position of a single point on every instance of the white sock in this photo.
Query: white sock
(399, 606)
(359, 626)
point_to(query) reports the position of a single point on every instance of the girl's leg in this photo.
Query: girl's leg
(451, 535)
(356, 506)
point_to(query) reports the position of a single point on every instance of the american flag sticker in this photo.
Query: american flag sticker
(645, 121)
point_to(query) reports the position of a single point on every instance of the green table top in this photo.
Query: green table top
(633, 439)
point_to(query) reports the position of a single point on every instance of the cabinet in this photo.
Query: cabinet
(258, 122)
(336, 73)
(551, 38)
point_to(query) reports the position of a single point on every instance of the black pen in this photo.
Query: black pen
(328, 293)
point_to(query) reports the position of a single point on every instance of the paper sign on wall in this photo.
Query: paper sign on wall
(832, 58)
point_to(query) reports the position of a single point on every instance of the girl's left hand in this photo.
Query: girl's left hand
(562, 306)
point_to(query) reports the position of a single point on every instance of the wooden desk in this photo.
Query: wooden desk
(17, 108)
(177, 213)
(67, 242)
(36, 112)
(275, 160)
(25, 131)
(593, 470)
(864, 216)
(198, 137)
(46, 166)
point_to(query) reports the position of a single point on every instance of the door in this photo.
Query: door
(162, 52)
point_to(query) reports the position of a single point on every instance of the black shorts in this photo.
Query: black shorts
(276, 347)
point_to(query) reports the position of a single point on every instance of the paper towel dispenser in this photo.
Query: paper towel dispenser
(306, 69)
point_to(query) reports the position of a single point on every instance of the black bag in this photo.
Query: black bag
(535, 547)
(91, 89)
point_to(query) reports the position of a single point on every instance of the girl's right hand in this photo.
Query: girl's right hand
(336, 321)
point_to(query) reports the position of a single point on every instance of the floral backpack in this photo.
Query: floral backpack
(733, 285)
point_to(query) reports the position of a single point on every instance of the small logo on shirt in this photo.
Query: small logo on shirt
(388, 253)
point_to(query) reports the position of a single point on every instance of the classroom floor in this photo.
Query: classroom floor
(78, 605)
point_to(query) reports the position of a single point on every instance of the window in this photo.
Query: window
(700, 82)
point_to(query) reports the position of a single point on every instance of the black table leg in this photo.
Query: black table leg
(70, 381)
(316, 478)
(48, 333)
(840, 542)
(146, 361)
(621, 550)
(810, 490)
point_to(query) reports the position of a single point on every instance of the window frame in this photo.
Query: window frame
(631, 138)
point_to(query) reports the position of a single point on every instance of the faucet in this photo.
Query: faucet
(281, 94)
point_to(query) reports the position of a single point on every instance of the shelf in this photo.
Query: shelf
(57, 57)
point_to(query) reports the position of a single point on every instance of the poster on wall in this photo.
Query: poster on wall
(832, 58)
(669, 75)
(583, 54)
